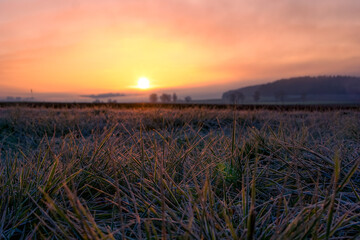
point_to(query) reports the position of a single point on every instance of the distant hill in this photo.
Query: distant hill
(300, 89)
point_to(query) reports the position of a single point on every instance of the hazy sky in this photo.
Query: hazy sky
(90, 47)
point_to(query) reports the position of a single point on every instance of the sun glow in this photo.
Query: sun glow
(143, 83)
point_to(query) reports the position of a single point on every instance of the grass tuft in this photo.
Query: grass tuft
(178, 174)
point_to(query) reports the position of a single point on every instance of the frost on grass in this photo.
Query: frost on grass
(187, 174)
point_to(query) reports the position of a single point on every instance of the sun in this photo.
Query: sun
(143, 83)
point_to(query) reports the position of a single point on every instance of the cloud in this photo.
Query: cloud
(104, 95)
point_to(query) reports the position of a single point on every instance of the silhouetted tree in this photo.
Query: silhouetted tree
(165, 98)
(153, 98)
(188, 99)
(256, 96)
(240, 97)
(233, 98)
(303, 96)
(174, 98)
(280, 96)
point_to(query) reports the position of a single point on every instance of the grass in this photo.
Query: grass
(102, 173)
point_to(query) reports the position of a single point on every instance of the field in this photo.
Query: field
(168, 173)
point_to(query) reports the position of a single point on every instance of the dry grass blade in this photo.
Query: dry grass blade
(178, 174)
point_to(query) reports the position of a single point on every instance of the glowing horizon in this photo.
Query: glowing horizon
(93, 47)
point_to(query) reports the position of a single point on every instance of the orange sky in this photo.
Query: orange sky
(91, 47)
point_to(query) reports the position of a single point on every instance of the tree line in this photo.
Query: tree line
(167, 98)
(237, 97)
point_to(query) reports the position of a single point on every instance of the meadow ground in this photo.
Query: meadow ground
(195, 173)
